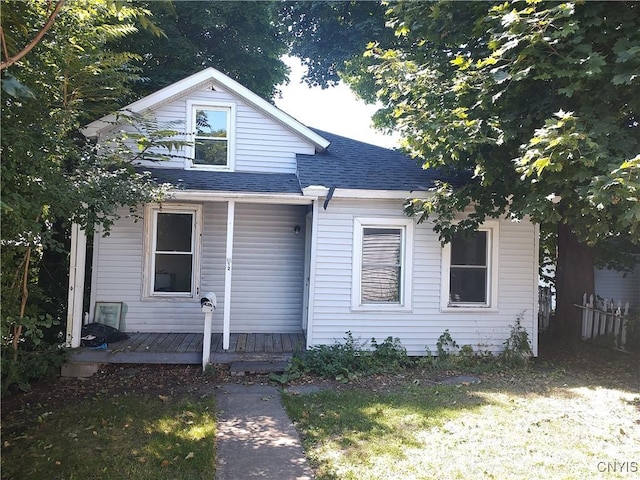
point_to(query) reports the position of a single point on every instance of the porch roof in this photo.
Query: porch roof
(227, 181)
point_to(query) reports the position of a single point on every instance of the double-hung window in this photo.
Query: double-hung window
(172, 250)
(470, 269)
(212, 126)
(382, 264)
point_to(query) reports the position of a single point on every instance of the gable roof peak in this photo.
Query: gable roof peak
(216, 77)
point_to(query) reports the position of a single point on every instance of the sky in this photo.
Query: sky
(335, 109)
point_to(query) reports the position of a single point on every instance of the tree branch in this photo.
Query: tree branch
(35, 41)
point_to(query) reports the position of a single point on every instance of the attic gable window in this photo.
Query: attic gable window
(212, 126)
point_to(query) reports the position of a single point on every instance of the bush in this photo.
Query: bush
(30, 365)
(349, 359)
(446, 345)
(389, 355)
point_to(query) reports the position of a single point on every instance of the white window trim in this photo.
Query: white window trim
(190, 150)
(150, 215)
(492, 227)
(407, 226)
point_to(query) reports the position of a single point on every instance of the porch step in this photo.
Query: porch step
(247, 368)
(75, 369)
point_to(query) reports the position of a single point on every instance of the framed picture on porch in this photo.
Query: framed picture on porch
(108, 313)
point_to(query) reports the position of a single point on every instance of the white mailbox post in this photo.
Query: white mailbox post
(208, 304)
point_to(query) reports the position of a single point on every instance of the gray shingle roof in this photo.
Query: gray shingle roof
(347, 163)
(351, 164)
(227, 181)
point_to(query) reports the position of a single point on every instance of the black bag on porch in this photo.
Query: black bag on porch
(95, 334)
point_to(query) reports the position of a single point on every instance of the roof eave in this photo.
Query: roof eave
(322, 191)
(249, 197)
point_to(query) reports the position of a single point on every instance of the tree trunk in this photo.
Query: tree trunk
(24, 296)
(574, 278)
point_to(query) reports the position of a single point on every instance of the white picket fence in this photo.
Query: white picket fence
(604, 318)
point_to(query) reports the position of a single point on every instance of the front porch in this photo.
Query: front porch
(186, 348)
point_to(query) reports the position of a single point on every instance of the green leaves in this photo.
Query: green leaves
(558, 144)
(14, 88)
(49, 175)
(538, 100)
(245, 40)
(461, 62)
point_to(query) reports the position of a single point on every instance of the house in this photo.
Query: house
(621, 287)
(298, 231)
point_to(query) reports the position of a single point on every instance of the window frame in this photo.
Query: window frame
(406, 226)
(192, 107)
(150, 236)
(492, 227)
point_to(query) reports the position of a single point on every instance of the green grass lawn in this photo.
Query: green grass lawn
(134, 437)
(527, 426)
(572, 417)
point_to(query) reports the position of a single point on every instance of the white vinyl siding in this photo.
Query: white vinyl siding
(267, 277)
(419, 327)
(260, 143)
(117, 267)
(268, 268)
(619, 286)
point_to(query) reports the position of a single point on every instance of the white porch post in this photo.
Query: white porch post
(206, 341)
(77, 260)
(226, 320)
(536, 281)
(208, 303)
(312, 271)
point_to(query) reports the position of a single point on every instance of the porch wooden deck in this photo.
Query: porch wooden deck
(186, 348)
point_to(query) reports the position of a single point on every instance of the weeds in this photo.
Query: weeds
(348, 360)
(446, 345)
(517, 347)
(632, 343)
(516, 352)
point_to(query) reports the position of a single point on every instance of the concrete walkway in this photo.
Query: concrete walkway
(255, 437)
